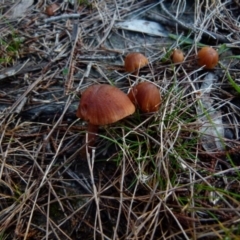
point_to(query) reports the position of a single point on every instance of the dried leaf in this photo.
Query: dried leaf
(143, 26)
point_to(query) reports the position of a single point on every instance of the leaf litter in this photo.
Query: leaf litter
(171, 175)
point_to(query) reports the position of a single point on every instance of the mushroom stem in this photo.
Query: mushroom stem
(91, 136)
(90, 140)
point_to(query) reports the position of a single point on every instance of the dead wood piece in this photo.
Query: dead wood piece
(50, 111)
(63, 16)
(21, 69)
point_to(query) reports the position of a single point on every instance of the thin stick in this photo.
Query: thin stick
(63, 16)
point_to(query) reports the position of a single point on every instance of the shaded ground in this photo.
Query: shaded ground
(150, 176)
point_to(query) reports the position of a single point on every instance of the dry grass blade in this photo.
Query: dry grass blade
(149, 176)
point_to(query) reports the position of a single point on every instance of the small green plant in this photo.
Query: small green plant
(3, 236)
(65, 71)
(10, 47)
(85, 3)
(232, 82)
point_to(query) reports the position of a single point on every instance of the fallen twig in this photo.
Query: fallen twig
(63, 16)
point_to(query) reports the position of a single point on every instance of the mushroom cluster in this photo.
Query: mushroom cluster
(104, 104)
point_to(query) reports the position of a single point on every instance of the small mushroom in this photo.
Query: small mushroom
(207, 57)
(134, 61)
(51, 9)
(177, 56)
(146, 96)
(103, 104)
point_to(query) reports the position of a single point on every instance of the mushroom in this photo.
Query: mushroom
(177, 56)
(134, 61)
(207, 57)
(146, 96)
(51, 9)
(103, 104)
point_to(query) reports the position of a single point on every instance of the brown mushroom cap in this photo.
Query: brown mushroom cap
(134, 61)
(147, 96)
(207, 57)
(177, 56)
(51, 9)
(103, 104)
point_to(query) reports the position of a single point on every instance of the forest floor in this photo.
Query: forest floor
(171, 174)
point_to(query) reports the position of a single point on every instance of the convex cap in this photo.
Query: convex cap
(146, 96)
(104, 104)
(134, 61)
